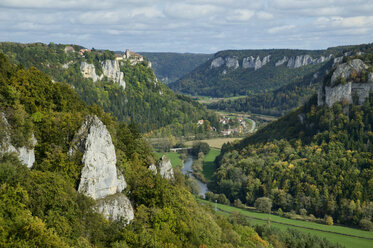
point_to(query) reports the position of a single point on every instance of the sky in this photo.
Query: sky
(194, 26)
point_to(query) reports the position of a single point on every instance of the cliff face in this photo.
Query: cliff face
(347, 91)
(302, 60)
(25, 154)
(100, 177)
(164, 167)
(110, 69)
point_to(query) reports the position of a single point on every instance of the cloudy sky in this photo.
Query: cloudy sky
(203, 26)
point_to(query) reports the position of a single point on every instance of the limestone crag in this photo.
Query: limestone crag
(153, 169)
(217, 62)
(89, 71)
(100, 177)
(116, 207)
(164, 167)
(231, 62)
(256, 63)
(110, 68)
(301, 60)
(25, 154)
(346, 92)
(345, 70)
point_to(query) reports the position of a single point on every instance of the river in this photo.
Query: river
(187, 170)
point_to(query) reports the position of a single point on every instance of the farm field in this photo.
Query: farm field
(349, 237)
(208, 163)
(173, 156)
(213, 143)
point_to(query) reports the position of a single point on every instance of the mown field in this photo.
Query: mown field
(348, 237)
(173, 156)
(208, 163)
(213, 143)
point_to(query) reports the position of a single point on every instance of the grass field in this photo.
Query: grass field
(208, 163)
(213, 143)
(173, 156)
(335, 234)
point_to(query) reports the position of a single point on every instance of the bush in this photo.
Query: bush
(263, 204)
(200, 147)
(328, 220)
(366, 224)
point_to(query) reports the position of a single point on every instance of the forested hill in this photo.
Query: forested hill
(127, 88)
(169, 67)
(274, 81)
(315, 160)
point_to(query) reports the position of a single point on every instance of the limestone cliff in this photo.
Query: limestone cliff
(110, 68)
(164, 167)
(256, 63)
(100, 177)
(89, 71)
(26, 154)
(302, 60)
(347, 90)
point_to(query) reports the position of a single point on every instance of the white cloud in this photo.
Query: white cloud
(189, 11)
(263, 15)
(280, 29)
(240, 15)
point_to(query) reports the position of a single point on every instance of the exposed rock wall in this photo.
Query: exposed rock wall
(217, 62)
(231, 62)
(337, 92)
(100, 177)
(25, 155)
(89, 71)
(164, 167)
(116, 207)
(256, 63)
(301, 60)
(111, 70)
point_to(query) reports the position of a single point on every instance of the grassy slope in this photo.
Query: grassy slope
(336, 234)
(209, 166)
(173, 156)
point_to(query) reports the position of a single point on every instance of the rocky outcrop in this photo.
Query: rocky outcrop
(256, 63)
(345, 70)
(231, 62)
(301, 60)
(217, 62)
(282, 61)
(26, 154)
(346, 92)
(111, 70)
(116, 207)
(153, 169)
(164, 167)
(89, 71)
(100, 177)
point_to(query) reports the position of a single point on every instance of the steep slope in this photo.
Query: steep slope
(169, 67)
(275, 81)
(127, 88)
(242, 72)
(315, 160)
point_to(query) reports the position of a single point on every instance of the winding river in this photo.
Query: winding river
(187, 170)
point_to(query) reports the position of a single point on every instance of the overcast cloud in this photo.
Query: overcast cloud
(204, 26)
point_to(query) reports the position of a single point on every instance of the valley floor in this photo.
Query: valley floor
(346, 236)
